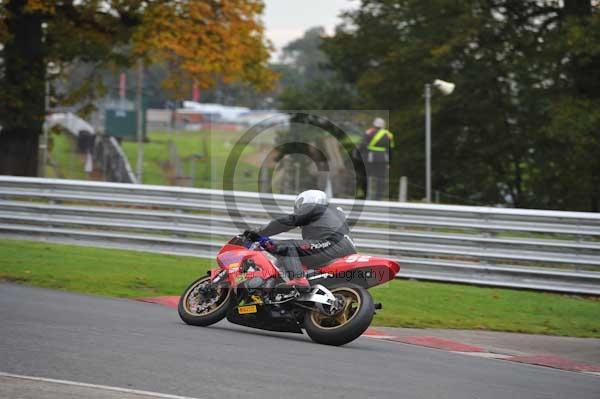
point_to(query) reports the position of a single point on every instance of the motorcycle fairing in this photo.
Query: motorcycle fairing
(237, 260)
(362, 269)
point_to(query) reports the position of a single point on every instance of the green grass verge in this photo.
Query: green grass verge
(437, 305)
(406, 303)
(155, 154)
(69, 164)
(97, 271)
(208, 173)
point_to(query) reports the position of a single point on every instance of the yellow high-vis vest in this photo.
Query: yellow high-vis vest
(377, 137)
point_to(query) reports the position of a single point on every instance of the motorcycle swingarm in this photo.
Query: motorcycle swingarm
(318, 294)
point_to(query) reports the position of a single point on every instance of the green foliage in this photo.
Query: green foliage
(522, 126)
(330, 94)
(306, 56)
(306, 80)
(202, 42)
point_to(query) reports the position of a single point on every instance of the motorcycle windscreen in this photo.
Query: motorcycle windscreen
(232, 255)
(236, 243)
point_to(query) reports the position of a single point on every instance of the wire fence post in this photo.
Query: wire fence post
(403, 189)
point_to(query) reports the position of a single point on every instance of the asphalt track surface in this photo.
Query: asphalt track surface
(128, 344)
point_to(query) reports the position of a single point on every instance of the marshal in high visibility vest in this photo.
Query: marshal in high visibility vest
(376, 146)
(382, 141)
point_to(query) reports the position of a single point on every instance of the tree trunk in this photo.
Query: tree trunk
(19, 153)
(22, 105)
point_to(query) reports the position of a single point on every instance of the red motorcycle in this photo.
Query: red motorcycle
(336, 310)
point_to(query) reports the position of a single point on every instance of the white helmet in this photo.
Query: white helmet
(379, 122)
(310, 197)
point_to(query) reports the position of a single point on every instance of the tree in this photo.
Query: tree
(522, 127)
(572, 133)
(307, 80)
(201, 40)
(306, 56)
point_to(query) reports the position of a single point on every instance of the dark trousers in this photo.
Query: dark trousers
(376, 188)
(293, 254)
(377, 180)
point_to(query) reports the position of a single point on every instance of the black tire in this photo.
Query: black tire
(350, 329)
(205, 319)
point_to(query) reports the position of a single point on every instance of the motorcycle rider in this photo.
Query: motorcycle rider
(325, 237)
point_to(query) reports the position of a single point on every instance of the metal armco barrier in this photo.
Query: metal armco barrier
(542, 250)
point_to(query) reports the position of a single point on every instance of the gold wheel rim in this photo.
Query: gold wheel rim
(212, 308)
(351, 306)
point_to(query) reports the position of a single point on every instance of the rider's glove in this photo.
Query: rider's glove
(268, 244)
(252, 235)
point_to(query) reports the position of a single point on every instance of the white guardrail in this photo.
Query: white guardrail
(542, 250)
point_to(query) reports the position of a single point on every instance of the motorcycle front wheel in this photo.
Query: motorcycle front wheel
(203, 305)
(345, 325)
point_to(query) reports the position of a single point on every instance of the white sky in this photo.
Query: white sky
(286, 20)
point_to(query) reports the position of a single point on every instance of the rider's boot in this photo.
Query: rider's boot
(301, 284)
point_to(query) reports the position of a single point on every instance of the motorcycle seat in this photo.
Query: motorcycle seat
(317, 269)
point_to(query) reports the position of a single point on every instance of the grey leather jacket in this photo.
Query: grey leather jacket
(317, 222)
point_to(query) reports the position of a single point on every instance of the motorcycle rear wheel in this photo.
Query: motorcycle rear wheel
(191, 298)
(347, 325)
